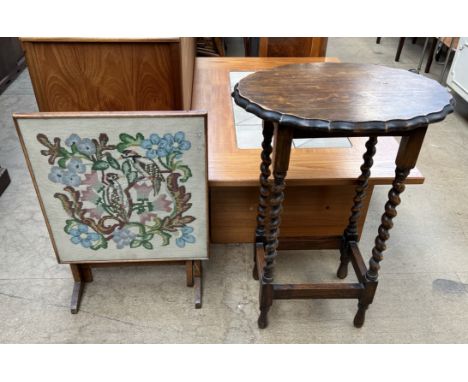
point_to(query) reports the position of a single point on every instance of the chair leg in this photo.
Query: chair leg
(399, 49)
(431, 55)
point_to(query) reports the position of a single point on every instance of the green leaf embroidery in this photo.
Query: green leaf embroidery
(165, 237)
(126, 167)
(62, 162)
(126, 138)
(69, 224)
(100, 165)
(121, 147)
(147, 245)
(141, 227)
(132, 176)
(100, 244)
(148, 237)
(64, 153)
(186, 172)
(112, 161)
(135, 243)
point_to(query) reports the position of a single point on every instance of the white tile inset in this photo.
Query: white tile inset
(249, 127)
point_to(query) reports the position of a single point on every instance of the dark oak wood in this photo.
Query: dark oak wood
(352, 100)
(410, 147)
(358, 263)
(265, 172)
(282, 150)
(111, 74)
(337, 99)
(307, 242)
(325, 290)
(351, 232)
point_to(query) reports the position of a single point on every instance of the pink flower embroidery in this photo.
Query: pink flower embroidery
(162, 204)
(89, 195)
(95, 213)
(147, 217)
(142, 190)
(92, 180)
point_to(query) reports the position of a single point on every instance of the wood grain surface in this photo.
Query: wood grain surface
(320, 211)
(321, 181)
(111, 75)
(231, 166)
(354, 99)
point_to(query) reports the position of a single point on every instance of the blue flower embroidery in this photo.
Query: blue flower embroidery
(186, 237)
(165, 145)
(154, 140)
(70, 178)
(180, 143)
(123, 237)
(161, 147)
(76, 165)
(81, 235)
(73, 139)
(56, 175)
(87, 147)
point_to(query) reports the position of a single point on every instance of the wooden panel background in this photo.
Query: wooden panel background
(293, 46)
(108, 75)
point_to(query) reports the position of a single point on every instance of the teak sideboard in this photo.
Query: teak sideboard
(91, 74)
(321, 181)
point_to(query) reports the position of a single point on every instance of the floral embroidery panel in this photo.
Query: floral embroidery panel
(121, 188)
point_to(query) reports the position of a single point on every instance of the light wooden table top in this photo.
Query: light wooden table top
(230, 166)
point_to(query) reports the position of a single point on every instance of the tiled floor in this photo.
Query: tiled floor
(422, 295)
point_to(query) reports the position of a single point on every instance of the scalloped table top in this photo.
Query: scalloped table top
(344, 98)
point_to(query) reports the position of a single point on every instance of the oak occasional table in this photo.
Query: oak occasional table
(322, 176)
(326, 100)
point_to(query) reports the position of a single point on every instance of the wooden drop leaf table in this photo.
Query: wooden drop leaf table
(325, 100)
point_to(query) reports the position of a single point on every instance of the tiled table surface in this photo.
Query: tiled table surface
(249, 127)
